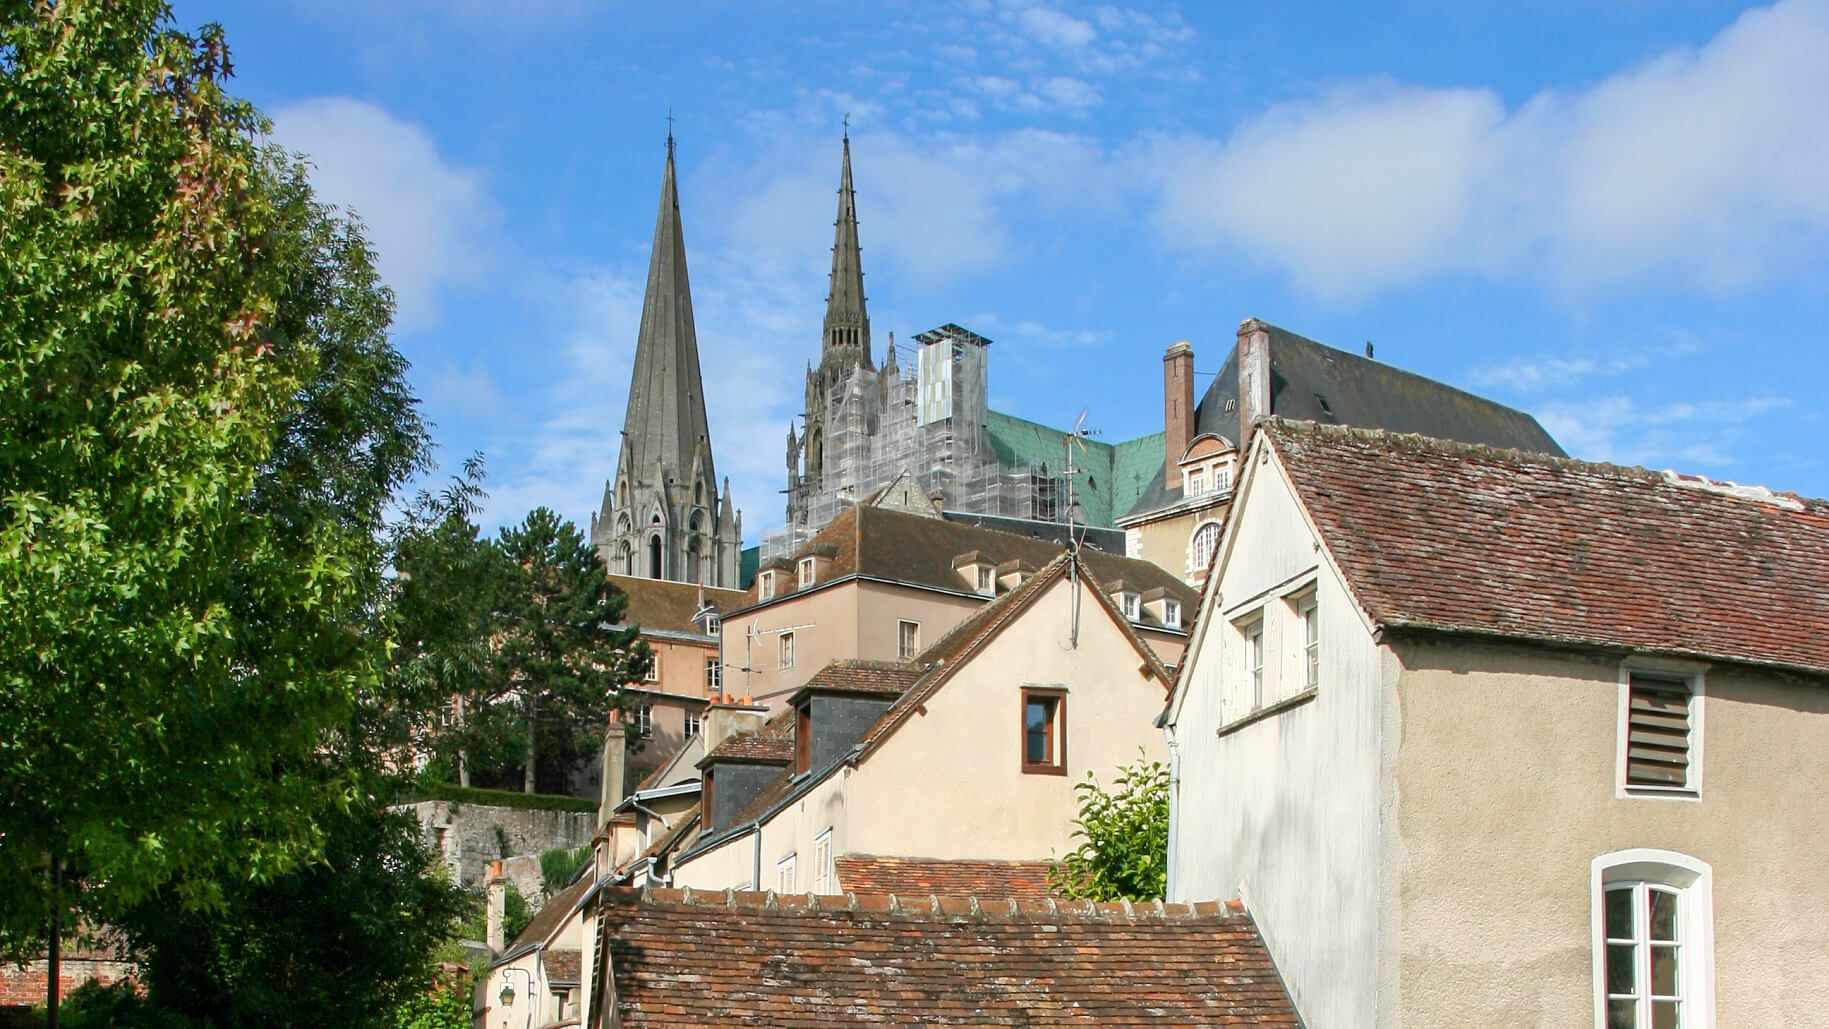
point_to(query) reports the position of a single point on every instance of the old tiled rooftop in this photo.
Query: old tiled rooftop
(868, 873)
(773, 743)
(1472, 539)
(858, 675)
(683, 957)
(669, 606)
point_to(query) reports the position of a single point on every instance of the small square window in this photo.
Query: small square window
(653, 674)
(713, 625)
(694, 723)
(1197, 483)
(986, 583)
(806, 572)
(907, 639)
(1171, 613)
(714, 675)
(787, 650)
(1044, 731)
(765, 586)
(1133, 606)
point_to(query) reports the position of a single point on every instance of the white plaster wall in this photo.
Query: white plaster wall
(949, 783)
(1285, 812)
(791, 831)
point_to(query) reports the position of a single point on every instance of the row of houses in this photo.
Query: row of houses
(1460, 732)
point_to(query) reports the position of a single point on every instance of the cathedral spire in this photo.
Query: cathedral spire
(847, 327)
(666, 413)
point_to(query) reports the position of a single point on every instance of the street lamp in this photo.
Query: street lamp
(507, 995)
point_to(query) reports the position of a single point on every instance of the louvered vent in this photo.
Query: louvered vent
(1657, 741)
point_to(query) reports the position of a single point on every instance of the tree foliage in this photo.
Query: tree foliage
(200, 424)
(1124, 835)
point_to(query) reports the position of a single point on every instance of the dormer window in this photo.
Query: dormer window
(806, 572)
(803, 737)
(1132, 604)
(1196, 482)
(765, 586)
(987, 584)
(1171, 613)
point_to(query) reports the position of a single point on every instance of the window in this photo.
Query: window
(787, 650)
(1202, 545)
(1197, 482)
(1171, 613)
(803, 737)
(806, 572)
(1132, 605)
(644, 719)
(785, 880)
(713, 625)
(1254, 660)
(707, 809)
(1660, 747)
(822, 865)
(986, 583)
(714, 675)
(1222, 480)
(1653, 941)
(1311, 641)
(765, 586)
(907, 639)
(695, 723)
(653, 674)
(1044, 737)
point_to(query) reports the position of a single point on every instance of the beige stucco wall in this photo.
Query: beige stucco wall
(949, 783)
(1505, 793)
(824, 623)
(681, 664)
(1164, 542)
(880, 606)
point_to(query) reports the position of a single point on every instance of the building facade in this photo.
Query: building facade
(1492, 738)
(663, 516)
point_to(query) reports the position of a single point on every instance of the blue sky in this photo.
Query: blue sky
(1613, 215)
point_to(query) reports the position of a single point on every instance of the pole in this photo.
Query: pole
(53, 971)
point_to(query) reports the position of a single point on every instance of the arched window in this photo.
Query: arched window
(1201, 546)
(698, 493)
(1653, 928)
(654, 571)
(692, 560)
(625, 558)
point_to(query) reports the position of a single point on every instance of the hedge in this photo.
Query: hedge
(500, 798)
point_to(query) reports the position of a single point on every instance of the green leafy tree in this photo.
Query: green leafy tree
(1124, 834)
(190, 478)
(445, 1006)
(557, 664)
(560, 865)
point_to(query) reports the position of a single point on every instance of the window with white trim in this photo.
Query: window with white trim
(823, 872)
(787, 650)
(806, 572)
(1310, 613)
(765, 586)
(714, 624)
(1254, 660)
(1196, 484)
(1222, 480)
(644, 719)
(653, 674)
(1653, 941)
(694, 724)
(714, 675)
(1201, 546)
(987, 583)
(907, 639)
(1660, 732)
(1171, 613)
(785, 879)
(1133, 606)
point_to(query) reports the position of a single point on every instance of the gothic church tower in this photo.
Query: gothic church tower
(663, 516)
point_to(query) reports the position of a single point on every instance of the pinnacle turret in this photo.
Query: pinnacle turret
(847, 325)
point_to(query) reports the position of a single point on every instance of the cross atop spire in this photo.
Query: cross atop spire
(847, 325)
(669, 129)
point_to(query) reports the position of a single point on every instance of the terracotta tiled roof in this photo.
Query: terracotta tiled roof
(561, 965)
(1462, 538)
(658, 604)
(551, 914)
(689, 958)
(865, 873)
(772, 744)
(861, 676)
(896, 546)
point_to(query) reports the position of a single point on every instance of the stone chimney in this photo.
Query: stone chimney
(1253, 378)
(723, 721)
(615, 766)
(498, 907)
(1177, 406)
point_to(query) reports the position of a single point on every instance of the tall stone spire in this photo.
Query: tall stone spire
(666, 413)
(847, 329)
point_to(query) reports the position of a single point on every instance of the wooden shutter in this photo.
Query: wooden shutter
(1657, 732)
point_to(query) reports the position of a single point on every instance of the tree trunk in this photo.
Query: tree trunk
(53, 971)
(463, 755)
(532, 734)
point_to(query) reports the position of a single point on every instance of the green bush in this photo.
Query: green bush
(559, 866)
(500, 798)
(515, 914)
(1124, 833)
(445, 1006)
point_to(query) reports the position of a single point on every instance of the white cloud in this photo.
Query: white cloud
(1681, 434)
(1701, 167)
(1067, 93)
(1054, 28)
(429, 218)
(1532, 373)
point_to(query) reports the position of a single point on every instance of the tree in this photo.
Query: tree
(1124, 833)
(555, 656)
(200, 423)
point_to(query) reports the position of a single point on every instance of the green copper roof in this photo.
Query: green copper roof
(1111, 477)
(749, 559)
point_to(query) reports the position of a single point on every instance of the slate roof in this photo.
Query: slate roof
(669, 606)
(867, 873)
(679, 768)
(1446, 536)
(683, 957)
(899, 547)
(771, 744)
(1314, 382)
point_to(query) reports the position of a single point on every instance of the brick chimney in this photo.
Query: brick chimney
(615, 762)
(1253, 378)
(1177, 406)
(723, 721)
(498, 907)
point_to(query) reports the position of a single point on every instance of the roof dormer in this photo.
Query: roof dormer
(814, 565)
(1013, 573)
(1127, 599)
(773, 579)
(1207, 465)
(1161, 608)
(977, 571)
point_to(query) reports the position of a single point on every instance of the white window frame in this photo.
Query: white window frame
(915, 647)
(1132, 605)
(1308, 612)
(823, 869)
(653, 673)
(765, 586)
(985, 580)
(806, 573)
(786, 650)
(1697, 679)
(714, 624)
(1194, 482)
(1195, 564)
(1694, 881)
(787, 879)
(1251, 630)
(714, 675)
(644, 719)
(1171, 613)
(695, 724)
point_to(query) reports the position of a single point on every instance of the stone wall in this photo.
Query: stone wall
(472, 835)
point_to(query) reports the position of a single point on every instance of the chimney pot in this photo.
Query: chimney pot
(498, 906)
(1177, 407)
(1253, 379)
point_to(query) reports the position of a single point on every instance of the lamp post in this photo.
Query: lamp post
(507, 995)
